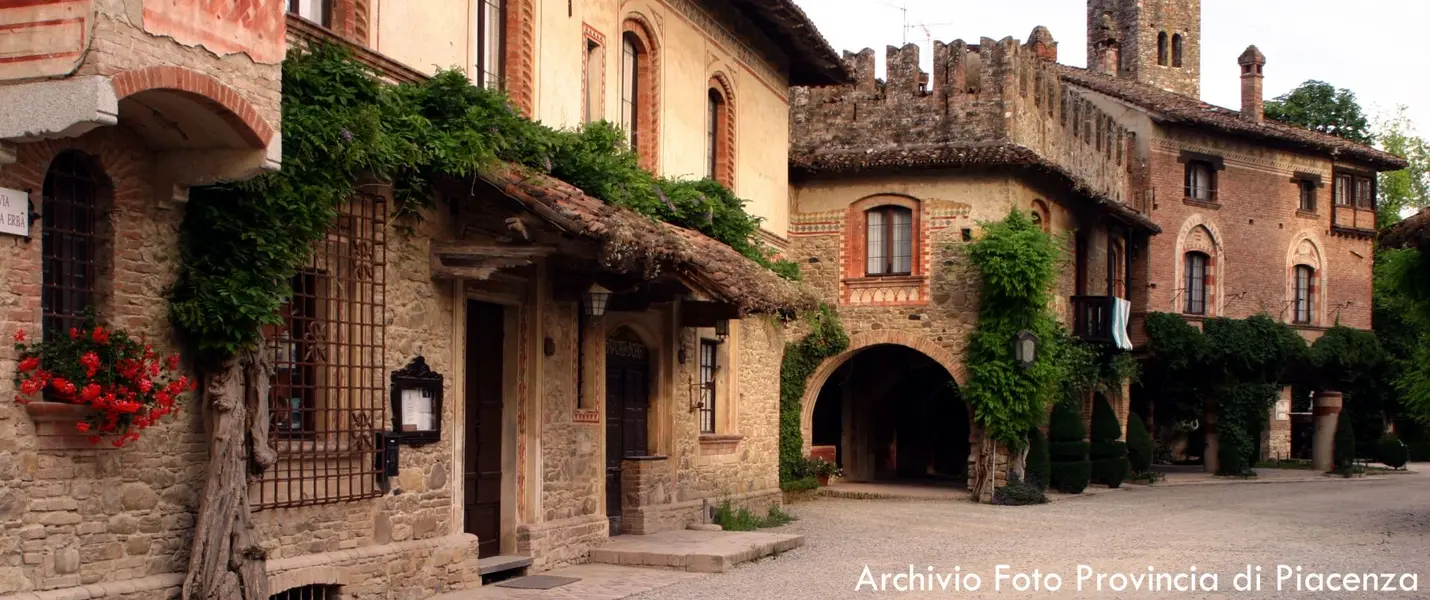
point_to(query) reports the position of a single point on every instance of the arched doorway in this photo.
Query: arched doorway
(893, 413)
(627, 407)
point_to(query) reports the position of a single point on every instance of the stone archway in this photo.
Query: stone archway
(890, 408)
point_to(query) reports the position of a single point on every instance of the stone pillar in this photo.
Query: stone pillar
(645, 484)
(1326, 410)
(1276, 441)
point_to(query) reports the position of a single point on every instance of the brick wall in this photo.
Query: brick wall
(1256, 234)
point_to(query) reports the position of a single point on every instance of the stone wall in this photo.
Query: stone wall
(80, 515)
(1133, 27)
(993, 103)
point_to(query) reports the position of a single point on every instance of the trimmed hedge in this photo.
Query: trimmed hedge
(1108, 455)
(1139, 445)
(1019, 493)
(1070, 467)
(1040, 466)
(1393, 452)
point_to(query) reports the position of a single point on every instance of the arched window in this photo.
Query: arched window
(1162, 48)
(491, 18)
(69, 241)
(1177, 50)
(638, 92)
(1305, 293)
(718, 153)
(1041, 216)
(630, 82)
(890, 241)
(1196, 286)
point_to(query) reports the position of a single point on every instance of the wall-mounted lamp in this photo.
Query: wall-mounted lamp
(593, 301)
(722, 329)
(1025, 348)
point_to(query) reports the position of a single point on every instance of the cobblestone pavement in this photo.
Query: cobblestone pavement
(1377, 526)
(597, 582)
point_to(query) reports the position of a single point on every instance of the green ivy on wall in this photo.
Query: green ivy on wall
(243, 241)
(1017, 265)
(826, 338)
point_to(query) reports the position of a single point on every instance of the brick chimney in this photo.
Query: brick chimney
(1253, 107)
(1105, 49)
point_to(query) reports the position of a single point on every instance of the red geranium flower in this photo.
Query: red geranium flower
(29, 364)
(82, 427)
(100, 336)
(90, 392)
(20, 335)
(74, 333)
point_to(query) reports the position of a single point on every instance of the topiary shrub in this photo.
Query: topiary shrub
(1391, 451)
(1040, 466)
(1107, 453)
(1139, 445)
(1345, 450)
(1067, 449)
(1019, 493)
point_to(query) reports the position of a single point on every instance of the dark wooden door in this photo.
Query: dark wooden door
(627, 401)
(481, 481)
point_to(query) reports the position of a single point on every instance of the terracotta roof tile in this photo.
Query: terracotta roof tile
(1177, 108)
(814, 61)
(633, 243)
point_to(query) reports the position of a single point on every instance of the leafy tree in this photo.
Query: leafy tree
(1402, 298)
(1408, 187)
(1322, 107)
(1391, 451)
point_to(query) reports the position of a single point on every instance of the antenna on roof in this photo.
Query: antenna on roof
(903, 8)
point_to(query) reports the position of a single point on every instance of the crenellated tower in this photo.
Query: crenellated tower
(1157, 42)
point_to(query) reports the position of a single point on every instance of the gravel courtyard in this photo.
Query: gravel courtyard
(1336, 526)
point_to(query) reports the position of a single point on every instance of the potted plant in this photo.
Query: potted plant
(823, 470)
(104, 381)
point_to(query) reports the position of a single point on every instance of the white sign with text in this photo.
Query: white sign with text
(14, 212)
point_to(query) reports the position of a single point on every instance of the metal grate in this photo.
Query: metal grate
(68, 241)
(328, 396)
(308, 592)
(708, 367)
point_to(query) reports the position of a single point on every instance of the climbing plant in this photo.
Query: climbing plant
(826, 338)
(1017, 265)
(1236, 367)
(242, 242)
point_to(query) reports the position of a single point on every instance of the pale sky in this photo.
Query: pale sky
(1375, 48)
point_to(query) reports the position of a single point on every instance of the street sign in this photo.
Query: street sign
(14, 212)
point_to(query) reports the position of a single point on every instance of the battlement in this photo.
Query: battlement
(993, 94)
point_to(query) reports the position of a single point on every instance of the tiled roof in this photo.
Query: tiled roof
(813, 60)
(958, 155)
(1177, 108)
(1413, 232)
(633, 243)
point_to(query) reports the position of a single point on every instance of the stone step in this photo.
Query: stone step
(493, 565)
(697, 551)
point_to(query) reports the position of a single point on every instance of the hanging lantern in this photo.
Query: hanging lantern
(593, 301)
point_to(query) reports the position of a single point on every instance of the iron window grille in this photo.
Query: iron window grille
(328, 398)
(308, 592)
(69, 242)
(708, 368)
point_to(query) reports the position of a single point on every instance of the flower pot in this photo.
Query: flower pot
(823, 480)
(55, 423)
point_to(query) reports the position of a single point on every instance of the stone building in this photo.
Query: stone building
(1171, 204)
(892, 178)
(601, 373)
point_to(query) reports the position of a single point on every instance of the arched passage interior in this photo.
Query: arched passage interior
(890, 412)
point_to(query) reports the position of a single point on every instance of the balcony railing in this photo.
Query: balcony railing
(1092, 318)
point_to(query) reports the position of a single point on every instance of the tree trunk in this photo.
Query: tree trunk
(984, 470)
(1018, 464)
(226, 563)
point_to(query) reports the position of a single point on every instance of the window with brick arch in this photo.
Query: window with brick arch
(1177, 50)
(714, 131)
(889, 242)
(317, 11)
(1305, 293)
(70, 241)
(1195, 288)
(1162, 48)
(630, 88)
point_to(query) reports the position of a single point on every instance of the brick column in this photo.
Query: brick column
(1327, 411)
(645, 483)
(1276, 442)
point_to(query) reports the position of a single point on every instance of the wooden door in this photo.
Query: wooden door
(627, 400)
(481, 481)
